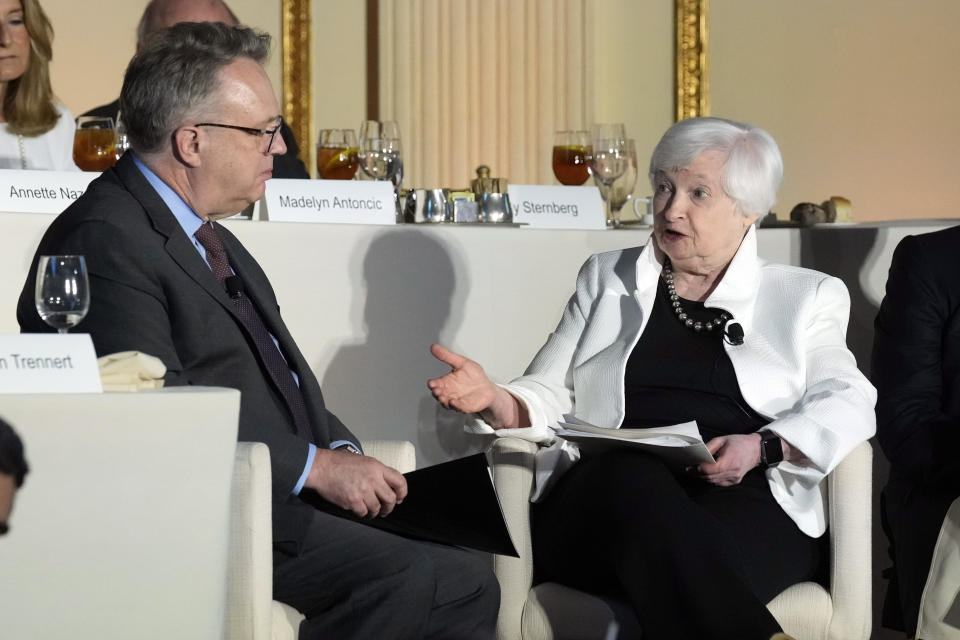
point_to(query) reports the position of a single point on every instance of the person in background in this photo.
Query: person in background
(692, 326)
(160, 14)
(916, 368)
(13, 469)
(36, 132)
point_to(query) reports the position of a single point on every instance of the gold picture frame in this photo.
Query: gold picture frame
(692, 90)
(297, 103)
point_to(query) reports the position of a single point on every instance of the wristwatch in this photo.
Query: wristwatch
(349, 448)
(771, 449)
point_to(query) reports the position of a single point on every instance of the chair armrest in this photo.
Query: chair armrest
(399, 454)
(512, 461)
(250, 560)
(849, 495)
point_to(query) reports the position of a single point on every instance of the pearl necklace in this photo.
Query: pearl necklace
(696, 325)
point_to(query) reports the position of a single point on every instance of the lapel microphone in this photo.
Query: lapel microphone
(234, 287)
(733, 334)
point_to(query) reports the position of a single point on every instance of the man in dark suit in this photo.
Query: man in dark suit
(167, 280)
(916, 369)
(160, 14)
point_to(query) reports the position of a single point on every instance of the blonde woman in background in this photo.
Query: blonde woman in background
(35, 132)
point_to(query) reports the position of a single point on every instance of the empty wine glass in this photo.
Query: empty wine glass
(621, 190)
(571, 156)
(62, 293)
(94, 143)
(608, 160)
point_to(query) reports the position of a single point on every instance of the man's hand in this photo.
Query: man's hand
(735, 455)
(360, 484)
(466, 388)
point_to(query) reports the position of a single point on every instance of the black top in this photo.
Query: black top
(676, 374)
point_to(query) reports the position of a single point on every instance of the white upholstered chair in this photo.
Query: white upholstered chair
(251, 612)
(940, 604)
(807, 611)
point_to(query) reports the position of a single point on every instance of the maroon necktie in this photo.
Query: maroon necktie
(266, 347)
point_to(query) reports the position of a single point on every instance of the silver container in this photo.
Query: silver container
(495, 207)
(427, 205)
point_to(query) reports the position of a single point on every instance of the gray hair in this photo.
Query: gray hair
(176, 74)
(752, 171)
(151, 20)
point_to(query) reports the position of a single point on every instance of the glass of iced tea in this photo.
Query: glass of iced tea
(94, 143)
(337, 154)
(571, 156)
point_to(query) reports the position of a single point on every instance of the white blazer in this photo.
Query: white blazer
(793, 367)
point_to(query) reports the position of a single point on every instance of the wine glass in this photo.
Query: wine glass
(337, 154)
(123, 140)
(607, 160)
(62, 293)
(621, 190)
(396, 169)
(380, 153)
(94, 143)
(571, 157)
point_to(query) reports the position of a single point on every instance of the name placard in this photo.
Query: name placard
(557, 207)
(48, 363)
(339, 201)
(31, 191)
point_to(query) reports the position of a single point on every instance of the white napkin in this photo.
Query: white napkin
(130, 371)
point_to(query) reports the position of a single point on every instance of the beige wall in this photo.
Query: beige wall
(338, 66)
(861, 95)
(633, 72)
(93, 43)
(858, 93)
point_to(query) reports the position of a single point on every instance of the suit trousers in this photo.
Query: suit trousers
(691, 559)
(354, 581)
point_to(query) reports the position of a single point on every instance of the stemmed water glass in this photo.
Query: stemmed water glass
(94, 143)
(608, 160)
(621, 190)
(571, 156)
(380, 153)
(123, 140)
(62, 291)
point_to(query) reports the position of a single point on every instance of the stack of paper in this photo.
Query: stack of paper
(679, 443)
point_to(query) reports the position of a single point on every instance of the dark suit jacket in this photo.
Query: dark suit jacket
(288, 165)
(916, 369)
(151, 291)
(916, 361)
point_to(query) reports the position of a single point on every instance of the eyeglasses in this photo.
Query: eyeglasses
(254, 132)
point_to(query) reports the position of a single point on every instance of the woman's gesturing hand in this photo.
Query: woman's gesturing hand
(466, 388)
(735, 455)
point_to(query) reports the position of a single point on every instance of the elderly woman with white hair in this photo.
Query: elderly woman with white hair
(692, 326)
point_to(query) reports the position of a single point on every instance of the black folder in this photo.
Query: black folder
(451, 502)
